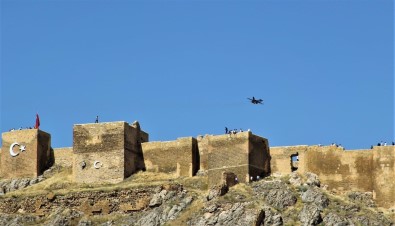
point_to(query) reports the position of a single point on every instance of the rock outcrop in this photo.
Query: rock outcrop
(293, 200)
(276, 193)
(230, 214)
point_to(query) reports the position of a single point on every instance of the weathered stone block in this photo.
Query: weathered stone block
(25, 153)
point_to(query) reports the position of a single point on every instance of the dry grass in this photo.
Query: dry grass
(61, 183)
(238, 193)
(196, 184)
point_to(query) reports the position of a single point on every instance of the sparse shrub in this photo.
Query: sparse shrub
(302, 188)
(285, 179)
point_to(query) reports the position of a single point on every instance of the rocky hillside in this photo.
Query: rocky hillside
(153, 199)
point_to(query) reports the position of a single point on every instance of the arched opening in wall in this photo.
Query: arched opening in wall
(294, 161)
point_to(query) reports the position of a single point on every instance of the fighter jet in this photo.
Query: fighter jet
(256, 101)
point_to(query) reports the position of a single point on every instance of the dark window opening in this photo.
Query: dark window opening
(294, 161)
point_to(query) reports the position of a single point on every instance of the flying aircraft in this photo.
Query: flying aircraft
(256, 101)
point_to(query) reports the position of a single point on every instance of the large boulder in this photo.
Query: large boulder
(332, 219)
(310, 215)
(216, 191)
(316, 196)
(271, 217)
(295, 180)
(312, 179)
(230, 214)
(276, 193)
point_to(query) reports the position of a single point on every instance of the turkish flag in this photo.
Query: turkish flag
(37, 126)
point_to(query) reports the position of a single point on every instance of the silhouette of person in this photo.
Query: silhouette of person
(226, 130)
(97, 119)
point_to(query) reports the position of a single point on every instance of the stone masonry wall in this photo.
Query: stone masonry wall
(106, 149)
(339, 169)
(281, 158)
(259, 156)
(384, 175)
(227, 153)
(357, 170)
(243, 154)
(64, 156)
(203, 152)
(29, 163)
(179, 156)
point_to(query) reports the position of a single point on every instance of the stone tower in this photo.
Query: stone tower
(25, 153)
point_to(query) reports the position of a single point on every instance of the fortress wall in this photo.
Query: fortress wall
(259, 156)
(384, 175)
(358, 170)
(281, 158)
(110, 145)
(144, 136)
(111, 171)
(30, 163)
(227, 153)
(45, 156)
(336, 168)
(179, 156)
(64, 156)
(339, 169)
(98, 137)
(203, 152)
(133, 153)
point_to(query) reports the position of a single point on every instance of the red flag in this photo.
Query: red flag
(37, 126)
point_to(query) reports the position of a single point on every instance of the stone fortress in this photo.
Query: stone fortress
(112, 151)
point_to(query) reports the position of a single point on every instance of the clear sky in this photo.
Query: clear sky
(325, 69)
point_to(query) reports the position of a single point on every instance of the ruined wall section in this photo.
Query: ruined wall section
(384, 176)
(31, 162)
(180, 156)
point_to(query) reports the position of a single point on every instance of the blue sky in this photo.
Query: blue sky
(325, 69)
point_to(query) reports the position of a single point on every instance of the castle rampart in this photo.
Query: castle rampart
(110, 152)
(106, 152)
(360, 170)
(243, 154)
(26, 153)
(180, 156)
(64, 156)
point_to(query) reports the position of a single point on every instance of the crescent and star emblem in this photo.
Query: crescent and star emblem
(22, 148)
(97, 164)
